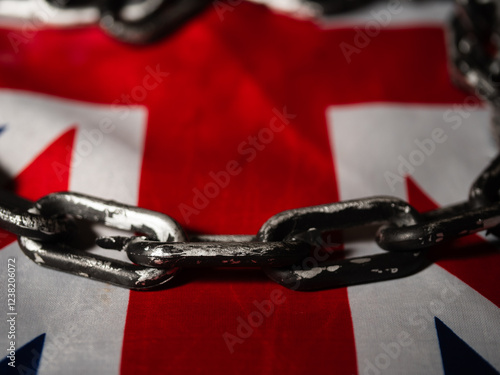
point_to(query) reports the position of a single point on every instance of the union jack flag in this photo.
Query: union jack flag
(241, 114)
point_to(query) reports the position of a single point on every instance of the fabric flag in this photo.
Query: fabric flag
(241, 114)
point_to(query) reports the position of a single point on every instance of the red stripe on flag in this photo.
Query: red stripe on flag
(205, 325)
(41, 176)
(472, 259)
(249, 76)
(50, 171)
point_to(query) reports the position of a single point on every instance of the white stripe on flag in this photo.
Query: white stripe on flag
(394, 325)
(83, 319)
(370, 141)
(375, 145)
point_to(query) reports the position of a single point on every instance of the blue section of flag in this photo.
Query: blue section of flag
(3, 128)
(27, 358)
(458, 357)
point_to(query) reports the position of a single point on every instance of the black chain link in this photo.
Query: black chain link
(151, 20)
(15, 218)
(62, 255)
(287, 245)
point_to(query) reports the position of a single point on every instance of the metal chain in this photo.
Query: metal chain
(142, 22)
(285, 246)
(131, 21)
(474, 50)
(288, 245)
(15, 218)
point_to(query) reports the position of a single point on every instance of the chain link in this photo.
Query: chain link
(130, 21)
(15, 218)
(61, 255)
(287, 245)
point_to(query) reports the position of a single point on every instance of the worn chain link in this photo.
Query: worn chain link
(15, 218)
(290, 245)
(130, 21)
(285, 246)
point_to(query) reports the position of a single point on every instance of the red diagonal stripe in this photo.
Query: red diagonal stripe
(41, 176)
(471, 259)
